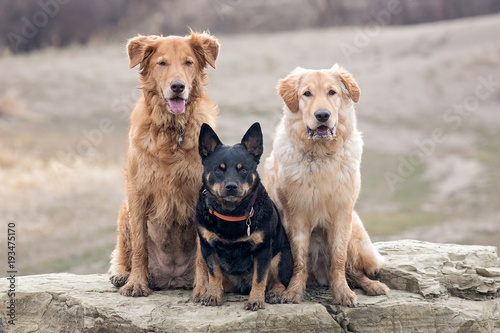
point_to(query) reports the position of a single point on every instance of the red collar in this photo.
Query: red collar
(231, 218)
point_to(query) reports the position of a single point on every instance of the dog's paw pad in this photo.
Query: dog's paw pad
(274, 296)
(292, 297)
(376, 288)
(254, 306)
(210, 299)
(118, 280)
(347, 298)
(198, 294)
(135, 290)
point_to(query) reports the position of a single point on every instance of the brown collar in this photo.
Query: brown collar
(231, 218)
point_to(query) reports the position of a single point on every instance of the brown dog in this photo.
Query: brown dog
(313, 176)
(156, 242)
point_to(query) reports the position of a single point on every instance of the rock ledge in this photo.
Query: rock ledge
(435, 288)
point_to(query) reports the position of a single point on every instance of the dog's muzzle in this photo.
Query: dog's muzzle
(175, 98)
(232, 191)
(176, 105)
(322, 132)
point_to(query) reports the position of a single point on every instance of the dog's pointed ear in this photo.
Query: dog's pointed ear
(208, 141)
(206, 46)
(253, 142)
(287, 89)
(139, 49)
(348, 81)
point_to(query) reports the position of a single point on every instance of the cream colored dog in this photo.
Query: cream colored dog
(313, 176)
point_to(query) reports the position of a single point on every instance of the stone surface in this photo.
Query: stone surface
(435, 288)
(440, 270)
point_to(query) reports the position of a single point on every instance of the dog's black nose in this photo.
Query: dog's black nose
(177, 86)
(322, 115)
(231, 186)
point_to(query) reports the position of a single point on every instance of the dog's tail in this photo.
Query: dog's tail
(362, 255)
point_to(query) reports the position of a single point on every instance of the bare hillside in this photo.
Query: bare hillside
(429, 111)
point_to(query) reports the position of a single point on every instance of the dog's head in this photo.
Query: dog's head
(230, 172)
(174, 65)
(318, 96)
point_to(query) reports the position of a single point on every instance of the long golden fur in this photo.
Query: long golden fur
(156, 243)
(313, 176)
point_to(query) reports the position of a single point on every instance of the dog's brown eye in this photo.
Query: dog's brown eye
(331, 92)
(162, 63)
(188, 63)
(218, 170)
(244, 170)
(307, 94)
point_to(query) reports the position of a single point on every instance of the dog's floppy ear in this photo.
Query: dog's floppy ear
(349, 82)
(287, 89)
(205, 46)
(252, 141)
(139, 49)
(208, 141)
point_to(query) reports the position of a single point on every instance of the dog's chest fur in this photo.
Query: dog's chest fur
(169, 176)
(322, 180)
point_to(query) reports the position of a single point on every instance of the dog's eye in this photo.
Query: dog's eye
(331, 92)
(218, 170)
(308, 93)
(162, 63)
(188, 63)
(243, 170)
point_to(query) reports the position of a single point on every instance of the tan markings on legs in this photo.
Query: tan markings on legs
(257, 294)
(201, 275)
(274, 284)
(214, 293)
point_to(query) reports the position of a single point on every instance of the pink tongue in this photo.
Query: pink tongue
(322, 129)
(176, 105)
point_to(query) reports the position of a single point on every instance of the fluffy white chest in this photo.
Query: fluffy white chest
(318, 187)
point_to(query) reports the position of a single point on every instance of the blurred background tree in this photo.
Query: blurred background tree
(82, 21)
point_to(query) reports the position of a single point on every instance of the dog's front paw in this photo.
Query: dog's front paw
(274, 296)
(198, 293)
(213, 297)
(135, 289)
(375, 288)
(255, 304)
(292, 295)
(118, 280)
(344, 296)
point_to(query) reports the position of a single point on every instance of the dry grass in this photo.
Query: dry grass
(13, 109)
(63, 188)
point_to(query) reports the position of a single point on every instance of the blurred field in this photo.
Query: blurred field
(63, 132)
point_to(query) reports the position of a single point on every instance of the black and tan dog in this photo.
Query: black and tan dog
(242, 241)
